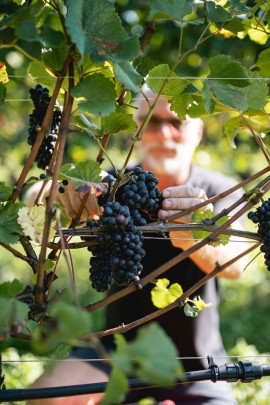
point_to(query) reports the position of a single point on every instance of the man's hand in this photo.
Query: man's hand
(180, 198)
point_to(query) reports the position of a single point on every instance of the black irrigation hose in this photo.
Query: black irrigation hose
(245, 371)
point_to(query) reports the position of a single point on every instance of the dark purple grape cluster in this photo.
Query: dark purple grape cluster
(119, 249)
(40, 97)
(142, 194)
(262, 217)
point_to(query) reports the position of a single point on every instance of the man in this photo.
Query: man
(167, 149)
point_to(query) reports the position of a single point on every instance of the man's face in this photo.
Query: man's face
(167, 142)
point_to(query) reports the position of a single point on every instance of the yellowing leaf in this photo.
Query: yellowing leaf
(32, 223)
(3, 73)
(162, 296)
(200, 304)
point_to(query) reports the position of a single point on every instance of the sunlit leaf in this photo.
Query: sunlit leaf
(227, 71)
(118, 121)
(10, 289)
(32, 222)
(162, 295)
(174, 85)
(3, 73)
(263, 63)
(82, 173)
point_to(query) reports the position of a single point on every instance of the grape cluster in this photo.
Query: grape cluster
(118, 252)
(40, 97)
(262, 217)
(141, 194)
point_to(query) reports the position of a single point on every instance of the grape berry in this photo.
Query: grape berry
(116, 258)
(262, 217)
(40, 97)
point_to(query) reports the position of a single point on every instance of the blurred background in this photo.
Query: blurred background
(244, 307)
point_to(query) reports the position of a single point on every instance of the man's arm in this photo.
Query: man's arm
(182, 197)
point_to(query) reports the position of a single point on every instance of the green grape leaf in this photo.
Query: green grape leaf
(207, 97)
(234, 26)
(41, 75)
(151, 356)
(9, 227)
(156, 78)
(118, 121)
(99, 94)
(191, 310)
(26, 30)
(229, 95)
(128, 76)
(116, 388)
(199, 216)
(5, 191)
(126, 50)
(232, 127)
(156, 356)
(263, 63)
(82, 122)
(3, 92)
(162, 295)
(52, 38)
(82, 173)
(169, 10)
(13, 314)
(55, 57)
(10, 289)
(216, 13)
(189, 104)
(94, 27)
(227, 71)
(71, 323)
(256, 93)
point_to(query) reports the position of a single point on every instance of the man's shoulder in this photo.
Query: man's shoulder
(202, 174)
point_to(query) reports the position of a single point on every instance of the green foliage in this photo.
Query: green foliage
(9, 227)
(82, 173)
(151, 356)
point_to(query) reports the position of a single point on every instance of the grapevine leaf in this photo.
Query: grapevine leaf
(3, 73)
(22, 13)
(187, 104)
(230, 95)
(156, 356)
(95, 27)
(13, 314)
(27, 31)
(41, 75)
(71, 322)
(127, 50)
(231, 128)
(200, 304)
(82, 173)
(162, 296)
(207, 97)
(9, 227)
(116, 388)
(98, 93)
(82, 122)
(256, 93)
(263, 63)
(5, 191)
(216, 13)
(234, 26)
(118, 121)
(157, 76)
(32, 222)
(128, 76)
(199, 216)
(3, 92)
(55, 57)
(171, 9)
(227, 71)
(51, 38)
(191, 310)
(10, 289)
(150, 356)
